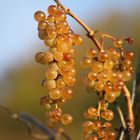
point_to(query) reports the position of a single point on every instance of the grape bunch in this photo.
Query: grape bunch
(95, 128)
(59, 58)
(108, 71)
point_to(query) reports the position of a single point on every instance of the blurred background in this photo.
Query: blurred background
(20, 76)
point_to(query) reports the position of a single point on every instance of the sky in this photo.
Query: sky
(18, 28)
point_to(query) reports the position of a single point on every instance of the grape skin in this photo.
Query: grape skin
(56, 34)
(60, 74)
(109, 70)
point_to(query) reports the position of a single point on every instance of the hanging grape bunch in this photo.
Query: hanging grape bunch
(59, 58)
(109, 70)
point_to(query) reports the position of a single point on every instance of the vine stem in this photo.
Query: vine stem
(121, 116)
(99, 109)
(129, 108)
(91, 34)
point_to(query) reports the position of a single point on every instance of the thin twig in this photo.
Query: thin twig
(136, 105)
(6, 109)
(133, 90)
(99, 109)
(133, 99)
(30, 121)
(108, 36)
(121, 135)
(75, 17)
(35, 135)
(127, 95)
(64, 134)
(121, 116)
(90, 32)
(123, 122)
(138, 137)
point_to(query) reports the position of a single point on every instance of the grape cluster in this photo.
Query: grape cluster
(109, 70)
(95, 128)
(60, 73)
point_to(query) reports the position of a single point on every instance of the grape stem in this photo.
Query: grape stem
(56, 106)
(130, 123)
(121, 116)
(99, 109)
(92, 35)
